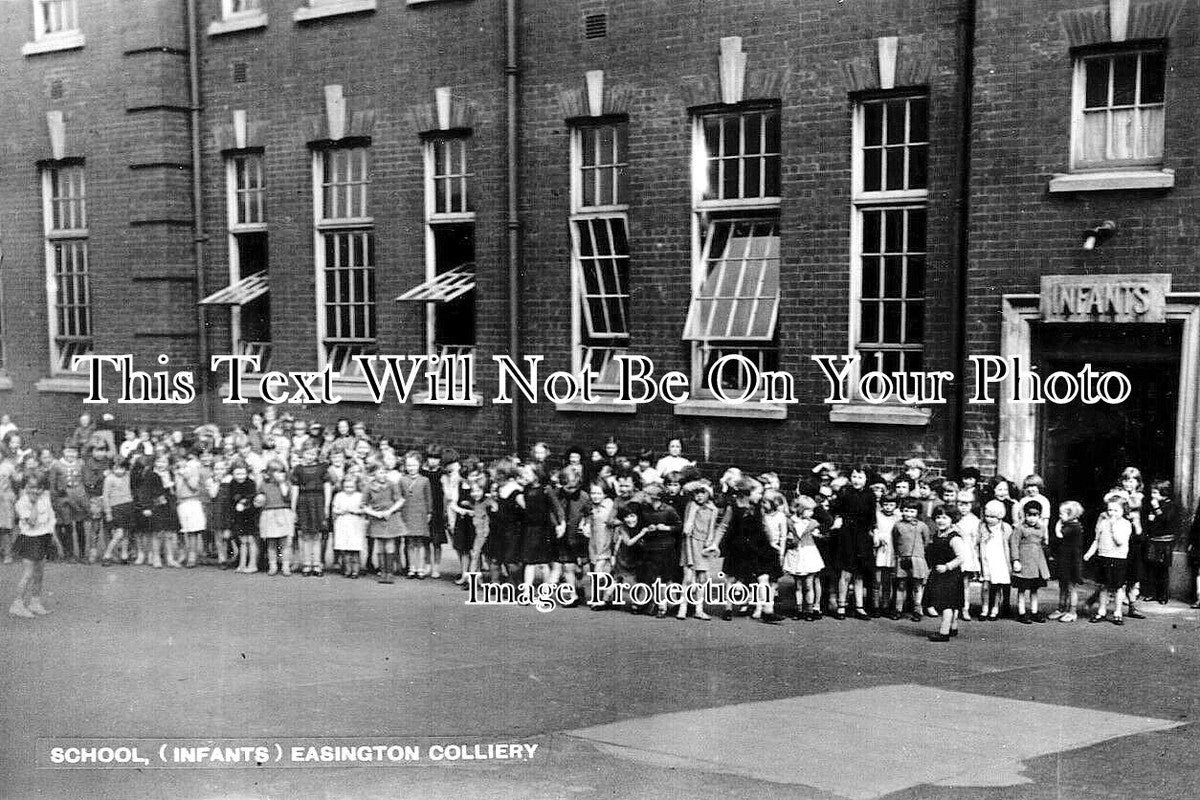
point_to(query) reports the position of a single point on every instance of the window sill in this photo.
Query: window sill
(476, 401)
(883, 414)
(244, 22)
(1113, 180)
(5, 382)
(53, 44)
(64, 384)
(324, 9)
(601, 406)
(751, 409)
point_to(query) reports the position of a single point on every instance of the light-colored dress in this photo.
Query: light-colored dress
(804, 558)
(349, 526)
(698, 525)
(994, 557)
(968, 529)
(885, 554)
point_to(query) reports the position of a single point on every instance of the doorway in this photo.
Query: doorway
(1083, 448)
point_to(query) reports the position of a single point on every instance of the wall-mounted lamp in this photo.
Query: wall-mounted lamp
(1099, 234)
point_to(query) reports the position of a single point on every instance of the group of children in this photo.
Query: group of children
(287, 495)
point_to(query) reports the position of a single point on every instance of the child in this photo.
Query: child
(886, 517)
(432, 470)
(1131, 485)
(968, 529)
(1033, 486)
(1111, 547)
(595, 526)
(309, 502)
(116, 495)
(627, 536)
(1161, 523)
(381, 502)
(35, 527)
(349, 525)
(190, 508)
(1067, 546)
(543, 526)
(155, 499)
(994, 559)
(777, 525)
(417, 514)
(911, 537)
(1029, 568)
(67, 493)
(276, 523)
(218, 490)
(572, 548)
(945, 590)
(699, 544)
(470, 527)
(243, 517)
(803, 562)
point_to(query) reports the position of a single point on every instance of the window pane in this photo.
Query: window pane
(1153, 77)
(914, 329)
(895, 168)
(873, 124)
(893, 274)
(916, 277)
(872, 225)
(918, 119)
(870, 321)
(872, 170)
(896, 132)
(891, 321)
(1096, 82)
(1124, 80)
(918, 167)
(916, 230)
(870, 276)
(893, 231)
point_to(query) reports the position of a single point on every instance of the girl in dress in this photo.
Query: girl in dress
(994, 558)
(1029, 568)
(1131, 485)
(189, 484)
(71, 506)
(349, 525)
(309, 502)
(416, 514)
(944, 590)
(9, 467)
(777, 526)
(243, 516)
(596, 526)
(223, 538)
(470, 526)
(277, 522)
(699, 542)
(1067, 546)
(543, 525)
(749, 556)
(803, 562)
(432, 470)
(382, 501)
(1002, 493)
(968, 529)
(886, 517)
(35, 528)
(154, 498)
(503, 546)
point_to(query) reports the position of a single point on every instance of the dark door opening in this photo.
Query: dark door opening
(1083, 448)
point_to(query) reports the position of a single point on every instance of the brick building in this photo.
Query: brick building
(764, 179)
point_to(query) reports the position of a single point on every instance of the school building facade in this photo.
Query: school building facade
(906, 182)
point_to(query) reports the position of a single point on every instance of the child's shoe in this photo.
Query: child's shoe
(939, 637)
(1024, 619)
(273, 570)
(18, 609)
(1117, 621)
(287, 570)
(1070, 616)
(1057, 614)
(435, 574)
(701, 615)
(1097, 618)
(35, 605)
(156, 562)
(140, 560)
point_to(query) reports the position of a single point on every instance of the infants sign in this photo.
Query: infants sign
(1105, 298)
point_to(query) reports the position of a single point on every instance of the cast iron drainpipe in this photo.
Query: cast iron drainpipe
(198, 235)
(511, 72)
(958, 330)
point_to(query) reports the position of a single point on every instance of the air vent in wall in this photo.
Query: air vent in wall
(56, 89)
(595, 26)
(239, 72)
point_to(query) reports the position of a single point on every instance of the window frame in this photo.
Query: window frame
(706, 213)
(41, 32)
(235, 228)
(434, 218)
(863, 201)
(54, 236)
(323, 227)
(1079, 61)
(584, 351)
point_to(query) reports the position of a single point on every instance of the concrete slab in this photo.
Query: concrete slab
(867, 743)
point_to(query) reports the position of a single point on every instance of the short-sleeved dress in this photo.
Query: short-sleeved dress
(309, 480)
(968, 529)
(943, 590)
(804, 558)
(381, 494)
(349, 525)
(1067, 546)
(911, 540)
(1025, 545)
